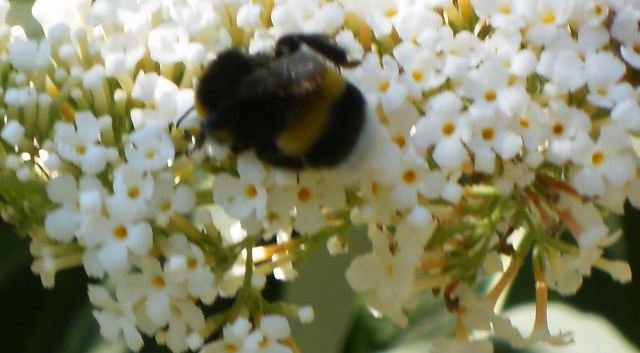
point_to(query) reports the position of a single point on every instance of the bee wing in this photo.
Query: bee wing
(294, 75)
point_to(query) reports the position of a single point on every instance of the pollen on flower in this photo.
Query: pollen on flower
(166, 206)
(417, 75)
(390, 270)
(159, 282)
(597, 158)
(191, 263)
(251, 191)
(490, 96)
(601, 91)
(390, 12)
(133, 192)
(304, 194)
(524, 122)
(400, 141)
(548, 18)
(409, 177)
(120, 232)
(448, 128)
(81, 149)
(150, 154)
(505, 9)
(558, 129)
(375, 188)
(231, 348)
(597, 9)
(384, 86)
(488, 134)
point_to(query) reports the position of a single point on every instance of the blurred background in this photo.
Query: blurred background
(604, 315)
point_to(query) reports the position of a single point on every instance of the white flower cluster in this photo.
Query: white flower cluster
(493, 126)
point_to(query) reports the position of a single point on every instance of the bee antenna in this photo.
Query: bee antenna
(183, 116)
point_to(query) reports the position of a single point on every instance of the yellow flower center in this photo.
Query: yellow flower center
(490, 96)
(524, 123)
(409, 177)
(304, 195)
(390, 270)
(390, 12)
(384, 86)
(150, 154)
(598, 10)
(133, 192)
(548, 18)
(159, 282)
(417, 75)
(375, 188)
(558, 129)
(191, 263)
(81, 149)
(231, 348)
(597, 158)
(120, 232)
(487, 134)
(448, 128)
(505, 9)
(251, 192)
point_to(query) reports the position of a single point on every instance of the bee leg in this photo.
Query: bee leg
(272, 155)
(320, 43)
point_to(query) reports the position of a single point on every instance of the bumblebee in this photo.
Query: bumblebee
(292, 107)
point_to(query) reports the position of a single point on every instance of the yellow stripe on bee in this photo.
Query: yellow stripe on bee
(201, 110)
(309, 119)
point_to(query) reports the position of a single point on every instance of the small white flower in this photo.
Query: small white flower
(167, 43)
(165, 100)
(52, 12)
(381, 83)
(12, 132)
(492, 135)
(63, 222)
(422, 69)
(195, 17)
(502, 14)
(116, 238)
(603, 70)
(151, 148)
(186, 262)
(446, 127)
(167, 200)
(626, 114)
(28, 55)
(564, 69)
(134, 185)
(249, 16)
(564, 124)
(308, 197)
(241, 197)
(387, 277)
(114, 318)
(79, 144)
(609, 158)
(546, 17)
(121, 53)
(233, 337)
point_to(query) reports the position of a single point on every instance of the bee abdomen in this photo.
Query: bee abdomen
(341, 131)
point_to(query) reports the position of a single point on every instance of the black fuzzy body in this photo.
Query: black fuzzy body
(292, 108)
